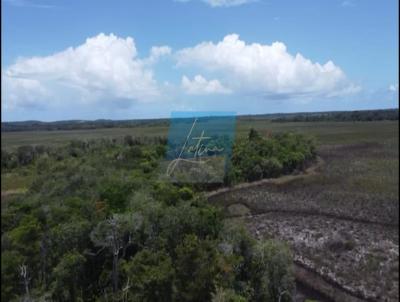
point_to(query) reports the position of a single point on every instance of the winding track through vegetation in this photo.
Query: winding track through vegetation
(325, 287)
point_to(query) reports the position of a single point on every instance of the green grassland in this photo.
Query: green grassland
(325, 132)
(10, 140)
(329, 132)
(373, 170)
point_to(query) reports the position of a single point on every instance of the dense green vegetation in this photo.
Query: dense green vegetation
(256, 157)
(97, 224)
(253, 158)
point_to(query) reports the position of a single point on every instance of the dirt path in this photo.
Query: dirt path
(310, 230)
(310, 171)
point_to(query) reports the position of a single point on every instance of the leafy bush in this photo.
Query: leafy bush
(256, 157)
(149, 276)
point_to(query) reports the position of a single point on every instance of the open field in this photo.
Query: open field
(375, 168)
(324, 132)
(11, 140)
(330, 132)
(362, 157)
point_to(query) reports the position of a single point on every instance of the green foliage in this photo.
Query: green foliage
(185, 193)
(149, 277)
(166, 192)
(196, 269)
(73, 233)
(66, 275)
(115, 194)
(24, 238)
(227, 295)
(263, 270)
(8, 160)
(134, 152)
(128, 140)
(117, 231)
(257, 157)
(253, 135)
(25, 154)
(238, 247)
(271, 167)
(97, 224)
(272, 276)
(10, 280)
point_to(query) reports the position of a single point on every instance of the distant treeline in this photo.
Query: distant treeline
(363, 115)
(338, 116)
(79, 124)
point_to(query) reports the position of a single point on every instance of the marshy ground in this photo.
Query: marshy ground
(341, 222)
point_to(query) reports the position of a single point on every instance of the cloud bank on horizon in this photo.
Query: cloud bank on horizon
(106, 70)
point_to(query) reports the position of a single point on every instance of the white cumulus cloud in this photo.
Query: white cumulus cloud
(157, 52)
(104, 68)
(26, 92)
(265, 69)
(200, 86)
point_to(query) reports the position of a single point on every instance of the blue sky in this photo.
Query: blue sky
(94, 59)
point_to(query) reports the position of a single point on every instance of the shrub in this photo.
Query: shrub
(25, 155)
(128, 140)
(272, 277)
(195, 267)
(227, 295)
(271, 167)
(149, 276)
(257, 157)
